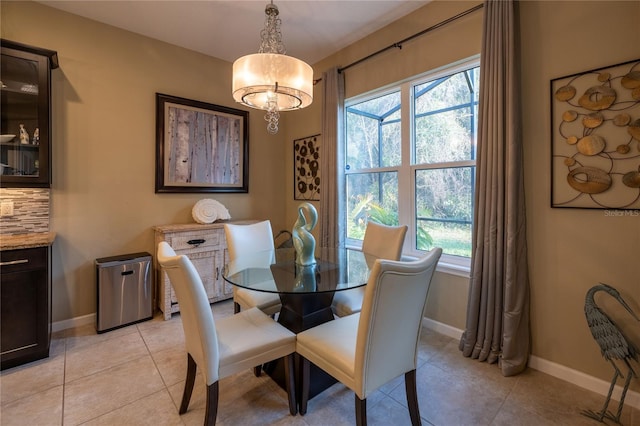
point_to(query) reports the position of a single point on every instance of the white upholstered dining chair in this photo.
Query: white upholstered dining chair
(381, 241)
(249, 239)
(368, 349)
(226, 346)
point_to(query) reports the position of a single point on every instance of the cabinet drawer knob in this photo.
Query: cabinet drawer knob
(196, 242)
(14, 262)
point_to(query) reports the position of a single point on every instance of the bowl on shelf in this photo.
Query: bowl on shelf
(6, 138)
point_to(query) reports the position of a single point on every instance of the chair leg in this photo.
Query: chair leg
(289, 376)
(304, 385)
(361, 411)
(211, 411)
(236, 307)
(188, 384)
(412, 397)
(257, 370)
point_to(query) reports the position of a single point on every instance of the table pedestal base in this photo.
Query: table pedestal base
(319, 380)
(301, 312)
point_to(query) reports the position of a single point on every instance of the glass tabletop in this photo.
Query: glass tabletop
(275, 271)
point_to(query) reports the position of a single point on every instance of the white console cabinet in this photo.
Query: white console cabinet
(206, 246)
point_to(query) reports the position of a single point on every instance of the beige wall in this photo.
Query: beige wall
(103, 199)
(570, 250)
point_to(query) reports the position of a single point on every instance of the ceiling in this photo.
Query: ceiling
(228, 29)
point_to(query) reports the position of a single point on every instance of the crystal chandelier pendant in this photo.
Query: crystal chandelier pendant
(270, 80)
(272, 115)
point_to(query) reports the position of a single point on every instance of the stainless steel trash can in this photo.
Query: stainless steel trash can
(124, 290)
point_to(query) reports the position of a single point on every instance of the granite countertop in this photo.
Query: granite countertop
(30, 240)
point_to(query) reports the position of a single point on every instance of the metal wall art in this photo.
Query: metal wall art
(306, 166)
(200, 147)
(595, 136)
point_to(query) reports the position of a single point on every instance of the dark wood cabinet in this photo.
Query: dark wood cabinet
(25, 115)
(25, 305)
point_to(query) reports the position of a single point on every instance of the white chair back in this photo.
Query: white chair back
(197, 319)
(252, 246)
(252, 238)
(391, 320)
(380, 242)
(383, 241)
(258, 260)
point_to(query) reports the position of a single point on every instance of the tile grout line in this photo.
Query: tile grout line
(155, 364)
(116, 365)
(110, 368)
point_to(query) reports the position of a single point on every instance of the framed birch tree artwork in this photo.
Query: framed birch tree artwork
(200, 147)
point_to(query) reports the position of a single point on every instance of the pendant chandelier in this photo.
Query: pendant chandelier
(271, 80)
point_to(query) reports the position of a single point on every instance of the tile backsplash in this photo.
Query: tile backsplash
(30, 210)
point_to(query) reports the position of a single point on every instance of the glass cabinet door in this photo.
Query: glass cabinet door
(25, 116)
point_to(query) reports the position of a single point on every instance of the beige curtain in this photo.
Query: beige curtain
(332, 232)
(497, 328)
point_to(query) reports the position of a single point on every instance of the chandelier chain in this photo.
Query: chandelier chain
(271, 36)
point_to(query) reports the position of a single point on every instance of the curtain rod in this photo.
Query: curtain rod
(399, 43)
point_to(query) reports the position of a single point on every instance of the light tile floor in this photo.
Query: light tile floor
(135, 375)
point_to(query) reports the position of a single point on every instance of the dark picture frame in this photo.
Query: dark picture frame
(595, 138)
(306, 168)
(200, 147)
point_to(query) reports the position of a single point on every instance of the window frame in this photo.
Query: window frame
(406, 171)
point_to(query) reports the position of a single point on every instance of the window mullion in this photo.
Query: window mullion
(406, 203)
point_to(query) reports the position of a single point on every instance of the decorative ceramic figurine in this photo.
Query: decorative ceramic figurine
(36, 136)
(303, 241)
(24, 136)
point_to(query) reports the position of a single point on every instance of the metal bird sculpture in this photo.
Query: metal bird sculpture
(613, 345)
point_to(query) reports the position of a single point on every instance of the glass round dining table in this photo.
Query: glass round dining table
(306, 292)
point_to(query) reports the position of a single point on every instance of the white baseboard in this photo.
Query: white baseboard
(73, 322)
(551, 368)
(583, 380)
(438, 327)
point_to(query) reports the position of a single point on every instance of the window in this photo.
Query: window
(410, 158)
